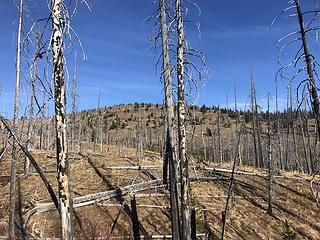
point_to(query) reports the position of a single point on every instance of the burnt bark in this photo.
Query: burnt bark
(65, 203)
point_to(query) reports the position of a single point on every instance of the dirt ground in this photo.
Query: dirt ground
(294, 211)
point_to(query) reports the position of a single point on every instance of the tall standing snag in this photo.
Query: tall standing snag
(309, 62)
(15, 119)
(171, 142)
(270, 162)
(185, 185)
(60, 117)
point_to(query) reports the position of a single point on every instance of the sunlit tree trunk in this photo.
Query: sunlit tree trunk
(184, 163)
(65, 203)
(171, 143)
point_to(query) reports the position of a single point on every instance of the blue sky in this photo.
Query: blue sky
(234, 35)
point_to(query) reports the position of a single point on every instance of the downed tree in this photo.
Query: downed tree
(34, 163)
(223, 170)
(132, 168)
(106, 195)
(3, 151)
(98, 197)
(138, 205)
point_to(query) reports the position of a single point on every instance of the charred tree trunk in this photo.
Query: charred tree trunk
(270, 163)
(313, 88)
(171, 145)
(65, 202)
(135, 219)
(184, 163)
(193, 225)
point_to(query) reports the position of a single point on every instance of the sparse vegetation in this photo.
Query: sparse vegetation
(171, 169)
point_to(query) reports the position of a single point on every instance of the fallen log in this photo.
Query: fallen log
(207, 179)
(170, 236)
(138, 205)
(223, 170)
(104, 196)
(152, 195)
(2, 153)
(132, 168)
(34, 163)
(98, 197)
(235, 172)
(167, 236)
(69, 158)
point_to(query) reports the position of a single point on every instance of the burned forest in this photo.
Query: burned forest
(159, 119)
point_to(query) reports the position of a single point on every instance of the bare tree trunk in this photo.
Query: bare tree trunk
(33, 77)
(304, 134)
(184, 162)
(135, 219)
(254, 125)
(204, 145)
(219, 137)
(65, 201)
(13, 193)
(270, 163)
(258, 128)
(313, 88)
(139, 141)
(230, 188)
(100, 122)
(278, 130)
(171, 146)
(74, 95)
(30, 122)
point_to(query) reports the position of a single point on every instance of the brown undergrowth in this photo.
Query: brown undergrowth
(248, 219)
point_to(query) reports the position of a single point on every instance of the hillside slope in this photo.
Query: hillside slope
(92, 172)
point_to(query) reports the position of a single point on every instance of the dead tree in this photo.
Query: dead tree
(305, 136)
(278, 129)
(220, 150)
(135, 219)
(12, 206)
(230, 188)
(303, 60)
(74, 98)
(171, 142)
(255, 125)
(309, 65)
(32, 161)
(57, 41)
(100, 122)
(139, 137)
(270, 162)
(184, 162)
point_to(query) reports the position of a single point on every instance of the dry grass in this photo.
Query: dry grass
(247, 220)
